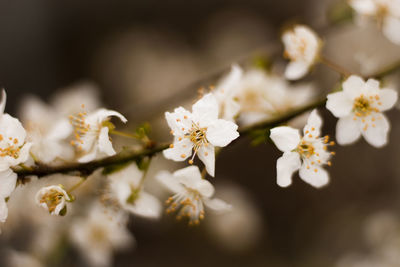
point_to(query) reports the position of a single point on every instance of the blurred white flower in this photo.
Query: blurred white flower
(308, 153)
(126, 186)
(359, 108)
(262, 96)
(192, 192)
(225, 93)
(92, 135)
(386, 12)
(53, 198)
(99, 234)
(47, 131)
(200, 131)
(302, 47)
(21, 259)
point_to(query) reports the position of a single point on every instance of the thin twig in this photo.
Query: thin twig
(332, 65)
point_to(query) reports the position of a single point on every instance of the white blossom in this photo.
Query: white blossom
(359, 108)
(99, 234)
(225, 93)
(302, 46)
(191, 193)
(92, 135)
(200, 131)
(126, 186)
(13, 151)
(386, 12)
(53, 198)
(308, 153)
(262, 96)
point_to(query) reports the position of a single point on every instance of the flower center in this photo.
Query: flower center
(81, 128)
(198, 137)
(189, 204)
(11, 149)
(52, 199)
(315, 152)
(363, 106)
(298, 50)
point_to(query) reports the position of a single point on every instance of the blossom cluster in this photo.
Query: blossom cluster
(60, 135)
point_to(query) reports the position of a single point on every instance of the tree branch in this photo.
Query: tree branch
(125, 156)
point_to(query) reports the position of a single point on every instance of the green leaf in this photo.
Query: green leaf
(260, 137)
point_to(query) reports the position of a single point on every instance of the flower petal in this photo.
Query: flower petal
(205, 110)
(180, 151)
(217, 205)
(388, 97)
(377, 135)
(391, 29)
(207, 156)
(3, 101)
(146, 206)
(88, 157)
(286, 166)
(313, 125)
(178, 120)
(339, 104)
(296, 70)
(105, 144)
(102, 114)
(169, 181)
(353, 86)
(285, 138)
(8, 180)
(347, 131)
(315, 176)
(3, 210)
(222, 132)
(188, 176)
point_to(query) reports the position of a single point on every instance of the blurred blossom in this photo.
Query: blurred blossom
(241, 228)
(302, 47)
(191, 193)
(382, 234)
(21, 259)
(99, 234)
(128, 189)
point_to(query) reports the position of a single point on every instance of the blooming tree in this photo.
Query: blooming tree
(78, 141)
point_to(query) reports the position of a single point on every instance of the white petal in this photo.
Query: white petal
(8, 180)
(3, 210)
(12, 128)
(180, 151)
(205, 110)
(169, 181)
(146, 206)
(102, 114)
(315, 175)
(377, 136)
(189, 176)
(105, 144)
(229, 82)
(347, 131)
(92, 155)
(61, 130)
(353, 86)
(285, 138)
(339, 104)
(313, 125)
(286, 166)
(296, 70)
(222, 132)
(371, 87)
(391, 29)
(217, 204)
(3, 101)
(364, 7)
(178, 120)
(207, 155)
(388, 97)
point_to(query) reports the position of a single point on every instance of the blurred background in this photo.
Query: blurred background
(148, 56)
